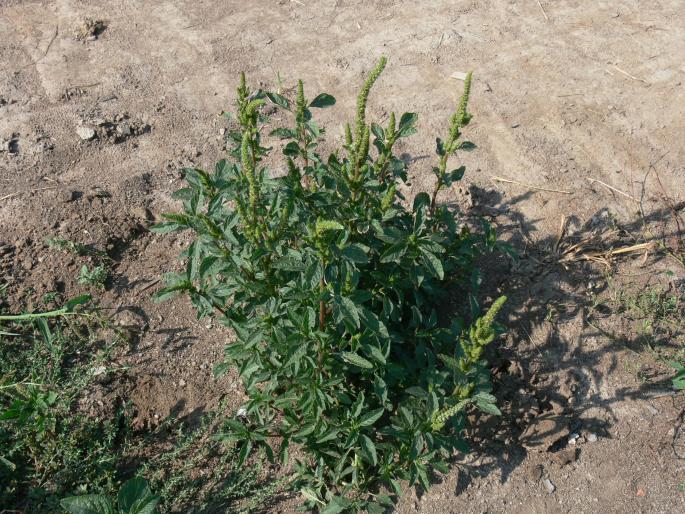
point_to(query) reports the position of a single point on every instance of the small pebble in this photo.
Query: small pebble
(591, 438)
(85, 132)
(549, 485)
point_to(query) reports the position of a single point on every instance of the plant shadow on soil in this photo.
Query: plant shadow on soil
(550, 370)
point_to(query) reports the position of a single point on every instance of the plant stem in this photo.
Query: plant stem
(322, 306)
(50, 314)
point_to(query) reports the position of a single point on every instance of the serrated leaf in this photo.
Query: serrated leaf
(356, 360)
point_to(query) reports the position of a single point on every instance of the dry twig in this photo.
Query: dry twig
(12, 195)
(543, 11)
(613, 189)
(629, 75)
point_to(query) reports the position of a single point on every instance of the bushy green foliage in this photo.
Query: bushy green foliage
(47, 450)
(337, 293)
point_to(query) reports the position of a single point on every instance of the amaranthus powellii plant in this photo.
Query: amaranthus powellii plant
(332, 286)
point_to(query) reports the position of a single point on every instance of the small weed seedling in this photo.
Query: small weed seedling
(334, 288)
(95, 277)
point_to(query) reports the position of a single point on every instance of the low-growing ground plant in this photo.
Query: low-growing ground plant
(336, 288)
(199, 473)
(134, 497)
(96, 276)
(47, 450)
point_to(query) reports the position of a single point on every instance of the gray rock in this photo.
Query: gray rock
(549, 485)
(85, 132)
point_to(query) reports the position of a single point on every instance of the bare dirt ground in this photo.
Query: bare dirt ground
(97, 119)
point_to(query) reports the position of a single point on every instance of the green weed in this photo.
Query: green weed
(95, 277)
(47, 449)
(333, 287)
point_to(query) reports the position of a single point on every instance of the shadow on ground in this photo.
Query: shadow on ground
(550, 373)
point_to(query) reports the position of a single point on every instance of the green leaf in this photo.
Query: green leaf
(336, 505)
(355, 253)
(467, 146)
(164, 227)
(244, 452)
(433, 264)
(313, 275)
(74, 302)
(310, 495)
(372, 322)
(279, 100)
(346, 309)
(146, 505)
(356, 360)
(292, 149)
(283, 133)
(486, 403)
(679, 378)
(370, 418)
(369, 449)
(453, 176)
(375, 352)
(322, 101)
(132, 491)
(406, 126)
(395, 252)
(88, 504)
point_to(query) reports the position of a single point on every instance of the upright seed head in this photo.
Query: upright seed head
(364, 96)
(463, 116)
(391, 125)
(363, 147)
(300, 102)
(460, 118)
(348, 134)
